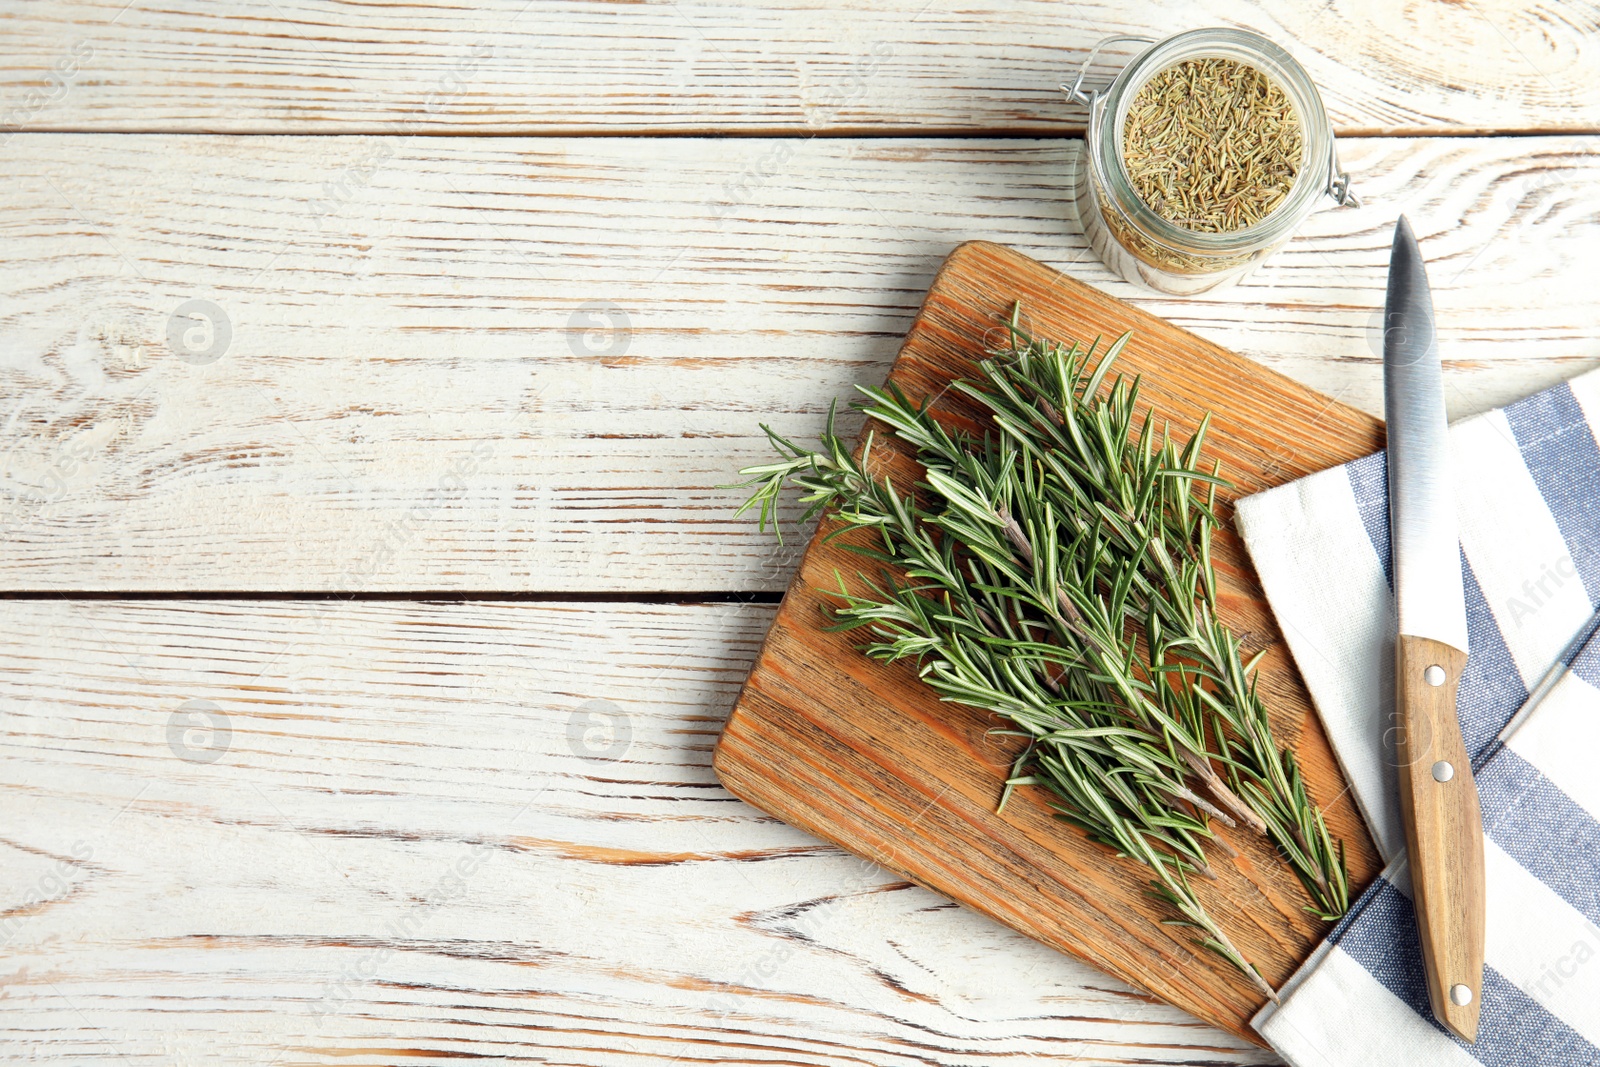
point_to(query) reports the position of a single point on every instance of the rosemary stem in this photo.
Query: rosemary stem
(1218, 789)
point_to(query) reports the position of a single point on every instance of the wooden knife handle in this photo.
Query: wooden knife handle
(1444, 828)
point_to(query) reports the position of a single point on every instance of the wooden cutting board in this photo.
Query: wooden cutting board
(862, 754)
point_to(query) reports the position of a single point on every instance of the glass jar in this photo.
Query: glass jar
(1133, 239)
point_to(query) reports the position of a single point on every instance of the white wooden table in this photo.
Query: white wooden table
(368, 373)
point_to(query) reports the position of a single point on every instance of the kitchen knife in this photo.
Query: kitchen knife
(1438, 797)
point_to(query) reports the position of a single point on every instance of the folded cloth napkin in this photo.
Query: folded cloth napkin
(1527, 481)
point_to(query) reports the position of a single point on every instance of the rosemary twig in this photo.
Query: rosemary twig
(1143, 496)
(1060, 576)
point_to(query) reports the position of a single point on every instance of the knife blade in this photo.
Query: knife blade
(1438, 796)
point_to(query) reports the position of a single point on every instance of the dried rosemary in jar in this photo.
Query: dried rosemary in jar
(1201, 158)
(1212, 144)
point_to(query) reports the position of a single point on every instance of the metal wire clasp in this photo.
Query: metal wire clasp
(1339, 178)
(1076, 90)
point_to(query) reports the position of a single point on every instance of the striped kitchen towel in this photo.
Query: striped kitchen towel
(1528, 499)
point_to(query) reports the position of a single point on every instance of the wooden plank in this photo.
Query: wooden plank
(429, 382)
(868, 756)
(415, 847)
(796, 66)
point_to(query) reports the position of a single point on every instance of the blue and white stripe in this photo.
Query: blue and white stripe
(1528, 498)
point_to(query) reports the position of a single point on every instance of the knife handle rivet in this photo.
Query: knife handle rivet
(1443, 772)
(1460, 995)
(1434, 675)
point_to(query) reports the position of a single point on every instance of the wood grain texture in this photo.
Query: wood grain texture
(1444, 828)
(429, 384)
(797, 66)
(447, 831)
(865, 755)
(418, 392)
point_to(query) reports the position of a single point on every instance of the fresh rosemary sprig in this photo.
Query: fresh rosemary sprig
(1106, 471)
(1060, 576)
(977, 643)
